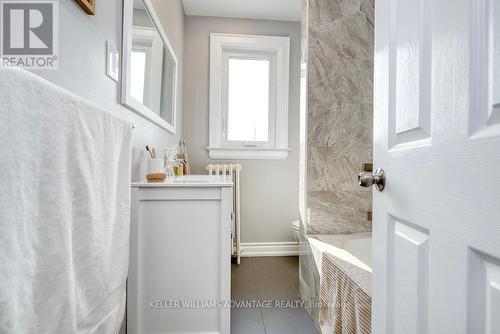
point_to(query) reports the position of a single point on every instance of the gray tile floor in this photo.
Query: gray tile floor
(264, 281)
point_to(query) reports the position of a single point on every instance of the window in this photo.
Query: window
(249, 83)
(248, 100)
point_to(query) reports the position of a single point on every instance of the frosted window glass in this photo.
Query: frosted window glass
(138, 73)
(248, 100)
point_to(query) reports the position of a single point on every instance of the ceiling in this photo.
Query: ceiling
(283, 10)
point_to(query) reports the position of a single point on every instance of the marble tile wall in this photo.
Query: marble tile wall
(339, 59)
(336, 125)
(309, 279)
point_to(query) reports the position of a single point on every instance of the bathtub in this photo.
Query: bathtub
(355, 248)
(346, 282)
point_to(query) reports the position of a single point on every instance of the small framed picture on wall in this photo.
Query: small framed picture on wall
(88, 6)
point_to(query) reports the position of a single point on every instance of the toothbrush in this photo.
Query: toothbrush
(150, 152)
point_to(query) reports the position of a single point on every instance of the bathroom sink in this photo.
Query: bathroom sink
(190, 181)
(199, 179)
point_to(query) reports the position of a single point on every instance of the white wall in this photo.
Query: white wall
(269, 187)
(82, 65)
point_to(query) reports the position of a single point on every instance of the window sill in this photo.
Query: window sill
(247, 153)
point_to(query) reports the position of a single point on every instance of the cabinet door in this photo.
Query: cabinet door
(180, 259)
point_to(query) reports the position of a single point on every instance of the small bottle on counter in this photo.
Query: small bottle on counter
(178, 168)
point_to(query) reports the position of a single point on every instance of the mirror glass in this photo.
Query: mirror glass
(152, 68)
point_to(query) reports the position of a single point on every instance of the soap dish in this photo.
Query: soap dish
(156, 177)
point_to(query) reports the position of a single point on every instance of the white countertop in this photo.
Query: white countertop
(189, 181)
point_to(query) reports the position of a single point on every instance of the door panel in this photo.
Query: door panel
(494, 24)
(410, 276)
(436, 225)
(485, 66)
(410, 65)
(484, 294)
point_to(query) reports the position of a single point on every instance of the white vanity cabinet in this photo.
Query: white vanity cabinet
(180, 256)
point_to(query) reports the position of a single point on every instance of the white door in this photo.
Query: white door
(436, 224)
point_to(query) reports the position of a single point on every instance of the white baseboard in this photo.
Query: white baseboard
(256, 249)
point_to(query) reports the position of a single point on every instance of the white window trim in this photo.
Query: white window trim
(280, 46)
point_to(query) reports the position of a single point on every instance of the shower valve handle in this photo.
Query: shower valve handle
(367, 179)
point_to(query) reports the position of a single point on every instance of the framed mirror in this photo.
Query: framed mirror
(149, 85)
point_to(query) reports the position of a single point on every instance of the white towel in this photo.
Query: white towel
(64, 210)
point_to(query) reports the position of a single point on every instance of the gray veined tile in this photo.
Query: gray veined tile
(339, 41)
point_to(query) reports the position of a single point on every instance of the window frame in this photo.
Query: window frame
(273, 48)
